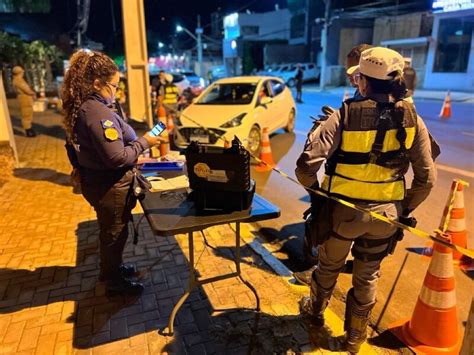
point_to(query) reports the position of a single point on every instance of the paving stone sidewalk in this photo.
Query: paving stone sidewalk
(51, 302)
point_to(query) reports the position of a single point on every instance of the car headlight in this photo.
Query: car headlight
(236, 121)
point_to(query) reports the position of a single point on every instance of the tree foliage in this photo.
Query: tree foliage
(38, 58)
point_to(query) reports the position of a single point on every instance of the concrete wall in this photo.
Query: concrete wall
(351, 37)
(273, 25)
(449, 81)
(397, 27)
(283, 53)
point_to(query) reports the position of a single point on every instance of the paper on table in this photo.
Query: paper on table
(169, 184)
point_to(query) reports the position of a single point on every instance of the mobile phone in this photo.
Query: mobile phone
(158, 129)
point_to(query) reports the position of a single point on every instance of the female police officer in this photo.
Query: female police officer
(105, 151)
(369, 144)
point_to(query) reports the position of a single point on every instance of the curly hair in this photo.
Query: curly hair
(85, 67)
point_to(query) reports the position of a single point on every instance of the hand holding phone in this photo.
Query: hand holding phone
(157, 130)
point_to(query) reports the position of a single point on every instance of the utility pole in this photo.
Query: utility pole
(199, 32)
(79, 21)
(324, 44)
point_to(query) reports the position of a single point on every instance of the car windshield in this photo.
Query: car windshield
(177, 78)
(188, 73)
(229, 94)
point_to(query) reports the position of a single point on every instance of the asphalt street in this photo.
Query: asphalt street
(285, 235)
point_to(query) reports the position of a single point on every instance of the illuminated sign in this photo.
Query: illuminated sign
(452, 5)
(231, 26)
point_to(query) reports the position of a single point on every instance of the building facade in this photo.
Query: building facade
(450, 60)
(247, 34)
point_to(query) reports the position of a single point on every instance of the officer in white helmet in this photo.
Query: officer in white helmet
(368, 145)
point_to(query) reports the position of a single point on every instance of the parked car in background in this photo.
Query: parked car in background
(288, 73)
(240, 106)
(215, 73)
(195, 80)
(179, 79)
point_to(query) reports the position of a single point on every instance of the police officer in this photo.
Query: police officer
(25, 96)
(299, 84)
(369, 144)
(352, 59)
(103, 150)
(169, 93)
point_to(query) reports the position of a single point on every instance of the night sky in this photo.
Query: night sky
(161, 16)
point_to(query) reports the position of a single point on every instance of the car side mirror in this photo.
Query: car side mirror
(265, 101)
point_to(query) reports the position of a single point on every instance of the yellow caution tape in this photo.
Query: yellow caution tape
(416, 231)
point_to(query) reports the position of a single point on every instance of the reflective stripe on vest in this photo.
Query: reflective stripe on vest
(171, 93)
(355, 175)
(360, 190)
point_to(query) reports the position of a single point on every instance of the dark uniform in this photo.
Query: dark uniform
(367, 158)
(106, 150)
(299, 85)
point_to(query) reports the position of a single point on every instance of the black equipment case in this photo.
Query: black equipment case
(220, 177)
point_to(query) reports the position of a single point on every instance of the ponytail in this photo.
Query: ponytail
(398, 86)
(395, 87)
(84, 68)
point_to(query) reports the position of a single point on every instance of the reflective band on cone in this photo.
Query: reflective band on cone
(446, 108)
(433, 327)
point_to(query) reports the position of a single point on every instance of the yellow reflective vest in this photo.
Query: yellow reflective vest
(372, 158)
(171, 94)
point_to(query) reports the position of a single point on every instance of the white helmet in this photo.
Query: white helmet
(169, 78)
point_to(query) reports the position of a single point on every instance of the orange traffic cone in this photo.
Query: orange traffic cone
(170, 125)
(433, 327)
(457, 224)
(346, 95)
(446, 108)
(266, 153)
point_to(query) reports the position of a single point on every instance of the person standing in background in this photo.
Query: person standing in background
(299, 84)
(25, 96)
(409, 74)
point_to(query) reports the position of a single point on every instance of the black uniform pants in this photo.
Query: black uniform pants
(299, 91)
(113, 202)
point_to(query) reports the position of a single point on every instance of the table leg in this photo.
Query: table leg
(237, 266)
(169, 330)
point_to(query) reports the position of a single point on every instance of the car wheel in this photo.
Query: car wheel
(290, 125)
(291, 82)
(254, 141)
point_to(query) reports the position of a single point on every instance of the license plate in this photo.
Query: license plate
(200, 138)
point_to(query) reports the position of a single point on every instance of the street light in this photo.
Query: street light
(160, 45)
(197, 38)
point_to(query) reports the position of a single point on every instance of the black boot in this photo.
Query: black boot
(30, 133)
(123, 286)
(316, 303)
(304, 277)
(355, 322)
(127, 270)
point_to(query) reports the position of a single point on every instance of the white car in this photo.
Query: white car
(288, 73)
(241, 106)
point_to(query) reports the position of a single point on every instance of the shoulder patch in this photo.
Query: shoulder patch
(111, 134)
(107, 123)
